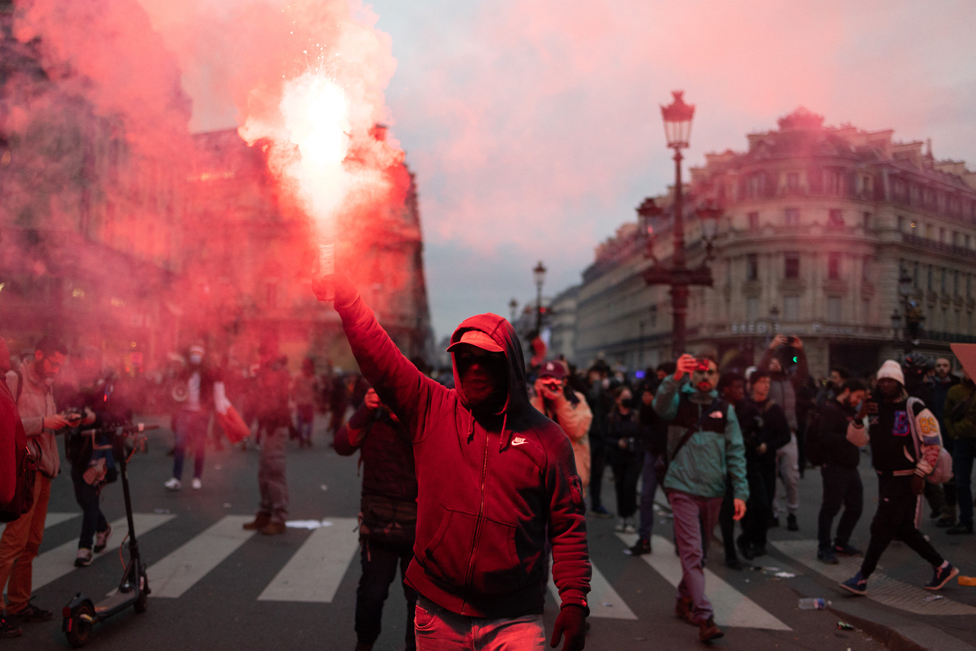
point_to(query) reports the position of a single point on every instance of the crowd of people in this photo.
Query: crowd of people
(528, 446)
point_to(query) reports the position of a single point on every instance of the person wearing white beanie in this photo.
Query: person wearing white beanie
(901, 474)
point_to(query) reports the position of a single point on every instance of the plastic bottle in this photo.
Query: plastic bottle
(810, 603)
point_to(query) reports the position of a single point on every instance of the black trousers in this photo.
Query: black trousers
(841, 487)
(379, 563)
(896, 516)
(759, 508)
(627, 468)
(598, 461)
(726, 521)
(87, 496)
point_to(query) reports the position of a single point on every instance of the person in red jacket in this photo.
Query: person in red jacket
(496, 481)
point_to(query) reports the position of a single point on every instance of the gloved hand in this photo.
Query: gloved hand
(572, 622)
(918, 484)
(345, 291)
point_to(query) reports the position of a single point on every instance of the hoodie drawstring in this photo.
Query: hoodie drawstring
(502, 440)
(471, 430)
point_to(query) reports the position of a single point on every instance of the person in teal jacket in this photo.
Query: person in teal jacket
(704, 447)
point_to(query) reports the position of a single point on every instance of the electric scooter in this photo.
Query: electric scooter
(81, 614)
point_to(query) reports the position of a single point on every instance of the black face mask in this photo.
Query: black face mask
(484, 381)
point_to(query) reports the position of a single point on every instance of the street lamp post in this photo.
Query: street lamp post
(539, 273)
(677, 129)
(913, 316)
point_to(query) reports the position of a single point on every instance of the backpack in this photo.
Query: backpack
(813, 447)
(928, 428)
(26, 469)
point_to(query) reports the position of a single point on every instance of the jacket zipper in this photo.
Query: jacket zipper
(477, 525)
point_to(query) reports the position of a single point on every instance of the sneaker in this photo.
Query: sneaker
(942, 576)
(845, 550)
(630, 526)
(856, 584)
(197, 484)
(101, 539)
(708, 631)
(791, 524)
(621, 525)
(8, 630)
(641, 547)
(600, 511)
(84, 557)
(34, 614)
(261, 520)
(273, 529)
(733, 563)
(173, 484)
(682, 610)
(826, 555)
(744, 549)
(960, 530)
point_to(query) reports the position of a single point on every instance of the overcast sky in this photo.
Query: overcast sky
(534, 126)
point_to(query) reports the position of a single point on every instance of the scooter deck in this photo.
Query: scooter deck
(113, 602)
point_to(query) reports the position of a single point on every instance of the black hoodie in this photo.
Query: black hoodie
(489, 489)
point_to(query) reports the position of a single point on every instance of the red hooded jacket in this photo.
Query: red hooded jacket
(489, 490)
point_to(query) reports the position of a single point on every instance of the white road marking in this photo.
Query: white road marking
(55, 563)
(603, 599)
(881, 588)
(732, 608)
(53, 519)
(314, 572)
(180, 570)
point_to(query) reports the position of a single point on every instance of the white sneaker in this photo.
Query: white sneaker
(630, 526)
(174, 484)
(83, 558)
(197, 484)
(621, 525)
(101, 539)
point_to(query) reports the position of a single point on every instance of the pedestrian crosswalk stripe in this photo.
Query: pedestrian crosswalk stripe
(314, 572)
(881, 588)
(603, 599)
(55, 563)
(732, 608)
(53, 519)
(180, 570)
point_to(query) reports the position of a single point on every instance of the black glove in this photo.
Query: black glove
(572, 622)
(918, 484)
(345, 291)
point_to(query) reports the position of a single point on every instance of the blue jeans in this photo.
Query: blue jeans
(963, 453)
(648, 489)
(191, 431)
(438, 629)
(87, 496)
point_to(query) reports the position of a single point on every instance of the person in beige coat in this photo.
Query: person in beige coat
(568, 409)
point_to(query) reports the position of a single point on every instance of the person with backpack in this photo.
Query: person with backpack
(828, 447)
(704, 446)
(388, 513)
(905, 450)
(22, 538)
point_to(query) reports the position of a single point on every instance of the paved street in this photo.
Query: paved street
(218, 587)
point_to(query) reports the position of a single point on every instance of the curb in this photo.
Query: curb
(911, 636)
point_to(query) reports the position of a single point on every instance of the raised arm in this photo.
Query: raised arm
(403, 388)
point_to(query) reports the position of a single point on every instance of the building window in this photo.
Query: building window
(867, 220)
(793, 181)
(945, 319)
(752, 309)
(755, 185)
(791, 308)
(835, 218)
(833, 182)
(901, 223)
(968, 241)
(958, 321)
(941, 236)
(930, 278)
(792, 267)
(943, 284)
(955, 282)
(929, 231)
(915, 276)
(866, 270)
(833, 309)
(833, 266)
(753, 221)
(969, 285)
(955, 238)
(866, 310)
(752, 267)
(792, 216)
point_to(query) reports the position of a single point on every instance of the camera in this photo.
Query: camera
(701, 365)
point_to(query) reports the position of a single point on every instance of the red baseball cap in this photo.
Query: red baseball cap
(478, 339)
(554, 370)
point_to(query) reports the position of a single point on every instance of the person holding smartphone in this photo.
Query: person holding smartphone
(569, 410)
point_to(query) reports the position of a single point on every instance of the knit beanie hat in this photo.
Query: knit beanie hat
(891, 369)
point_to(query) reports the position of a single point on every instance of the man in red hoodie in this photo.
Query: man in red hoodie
(496, 481)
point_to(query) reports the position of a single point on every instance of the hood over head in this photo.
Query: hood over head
(501, 332)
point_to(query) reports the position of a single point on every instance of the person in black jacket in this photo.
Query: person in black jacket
(626, 455)
(654, 430)
(732, 388)
(772, 433)
(841, 480)
(388, 514)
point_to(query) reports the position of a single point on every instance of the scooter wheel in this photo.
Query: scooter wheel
(142, 602)
(79, 630)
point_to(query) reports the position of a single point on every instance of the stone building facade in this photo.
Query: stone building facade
(817, 225)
